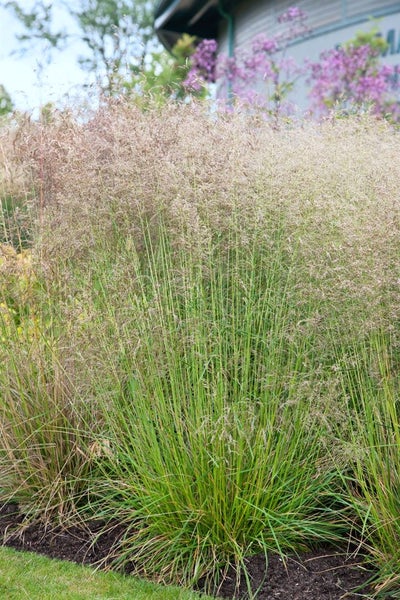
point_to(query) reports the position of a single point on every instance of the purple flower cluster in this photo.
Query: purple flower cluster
(263, 44)
(204, 59)
(351, 75)
(193, 83)
(293, 13)
(264, 61)
(203, 65)
(345, 75)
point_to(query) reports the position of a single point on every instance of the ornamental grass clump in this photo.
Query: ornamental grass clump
(46, 429)
(214, 451)
(44, 448)
(18, 203)
(369, 373)
(198, 277)
(46, 425)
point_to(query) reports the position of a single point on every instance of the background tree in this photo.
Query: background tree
(118, 34)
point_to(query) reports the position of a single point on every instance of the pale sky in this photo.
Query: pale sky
(29, 80)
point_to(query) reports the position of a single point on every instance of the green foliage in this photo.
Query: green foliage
(6, 105)
(372, 38)
(161, 77)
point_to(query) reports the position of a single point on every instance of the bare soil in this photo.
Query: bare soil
(322, 574)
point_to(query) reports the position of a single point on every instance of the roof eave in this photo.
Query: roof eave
(173, 18)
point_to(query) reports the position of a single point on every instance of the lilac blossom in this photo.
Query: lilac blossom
(193, 83)
(344, 75)
(351, 75)
(293, 13)
(265, 61)
(263, 44)
(203, 64)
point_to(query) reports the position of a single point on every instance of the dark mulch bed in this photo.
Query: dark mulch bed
(324, 574)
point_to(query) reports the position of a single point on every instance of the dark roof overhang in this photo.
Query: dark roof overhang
(200, 18)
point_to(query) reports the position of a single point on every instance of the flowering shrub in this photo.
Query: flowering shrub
(266, 60)
(203, 63)
(350, 75)
(292, 13)
(166, 76)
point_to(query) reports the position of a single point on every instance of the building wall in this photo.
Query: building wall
(331, 22)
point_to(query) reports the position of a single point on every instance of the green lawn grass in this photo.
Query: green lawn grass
(28, 576)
